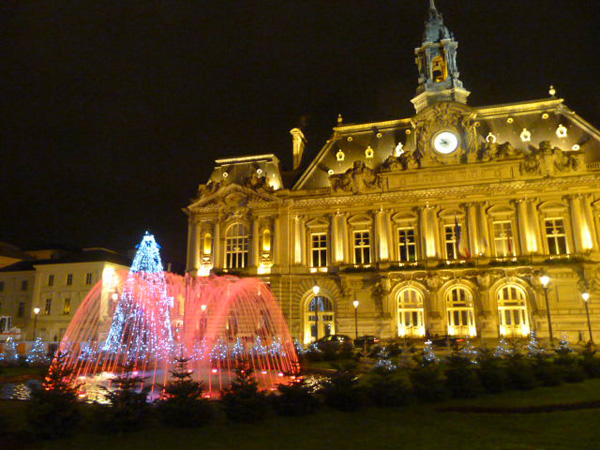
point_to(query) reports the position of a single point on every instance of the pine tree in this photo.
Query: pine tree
(53, 411)
(534, 349)
(564, 347)
(37, 354)
(243, 401)
(429, 356)
(182, 404)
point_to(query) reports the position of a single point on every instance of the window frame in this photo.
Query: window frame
(404, 243)
(322, 252)
(237, 246)
(361, 252)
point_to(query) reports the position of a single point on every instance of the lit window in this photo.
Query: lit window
(410, 313)
(48, 307)
(236, 247)
(512, 310)
(459, 308)
(88, 278)
(362, 247)
(70, 279)
(451, 241)
(318, 250)
(66, 306)
(407, 247)
(50, 280)
(503, 238)
(556, 236)
(319, 319)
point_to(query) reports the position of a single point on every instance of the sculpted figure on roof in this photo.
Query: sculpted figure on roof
(359, 178)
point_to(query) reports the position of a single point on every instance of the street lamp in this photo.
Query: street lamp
(355, 303)
(586, 298)
(545, 279)
(316, 289)
(36, 311)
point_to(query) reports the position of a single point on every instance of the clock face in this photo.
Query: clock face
(445, 142)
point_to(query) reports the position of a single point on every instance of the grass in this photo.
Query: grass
(9, 372)
(414, 427)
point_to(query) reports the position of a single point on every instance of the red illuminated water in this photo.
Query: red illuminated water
(221, 322)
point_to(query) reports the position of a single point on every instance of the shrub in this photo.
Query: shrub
(590, 362)
(343, 392)
(570, 368)
(243, 401)
(491, 371)
(546, 372)
(294, 399)
(127, 406)
(428, 383)
(182, 404)
(520, 372)
(53, 411)
(461, 377)
(386, 389)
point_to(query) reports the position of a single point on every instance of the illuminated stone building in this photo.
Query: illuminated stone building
(438, 223)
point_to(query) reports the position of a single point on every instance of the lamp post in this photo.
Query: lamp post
(36, 311)
(545, 279)
(355, 303)
(586, 298)
(316, 289)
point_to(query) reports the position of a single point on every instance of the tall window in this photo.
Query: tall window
(503, 238)
(24, 285)
(1, 286)
(88, 278)
(50, 280)
(236, 246)
(48, 306)
(411, 322)
(459, 308)
(21, 310)
(70, 279)
(451, 241)
(66, 306)
(556, 236)
(407, 246)
(319, 319)
(512, 309)
(362, 247)
(318, 249)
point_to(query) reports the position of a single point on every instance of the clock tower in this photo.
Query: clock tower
(436, 60)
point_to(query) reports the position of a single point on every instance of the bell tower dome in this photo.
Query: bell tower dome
(436, 59)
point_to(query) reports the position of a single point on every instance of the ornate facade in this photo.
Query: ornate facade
(440, 223)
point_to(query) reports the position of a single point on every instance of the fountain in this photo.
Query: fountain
(142, 320)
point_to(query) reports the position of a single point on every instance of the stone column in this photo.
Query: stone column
(299, 241)
(586, 208)
(534, 224)
(577, 223)
(527, 234)
(337, 249)
(192, 248)
(472, 229)
(255, 239)
(218, 249)
(486, 244)
(343, 230)
(429, 232)
(381, 237)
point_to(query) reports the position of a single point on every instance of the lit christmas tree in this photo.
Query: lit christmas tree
(469, 351)
(503, 349)
(384, 363)
(141, 326)
(11, 356)
(533, 346)
(564, 346)
(37, 354)
(429, 356)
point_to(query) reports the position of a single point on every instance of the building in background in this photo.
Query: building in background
(439, 223)
(54, 283)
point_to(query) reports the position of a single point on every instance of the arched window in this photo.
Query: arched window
(236, 246)
(319, 319)
(460, 314)
(438, 69)
(411, 321)
(512, 310)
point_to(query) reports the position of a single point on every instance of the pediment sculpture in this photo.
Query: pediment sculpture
(547, 160)
(359, 178)
(258, 183)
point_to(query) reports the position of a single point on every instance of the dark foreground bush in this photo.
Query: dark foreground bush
(294, 399)
(570, 368)
(520, 372)
(428, 383)
(343, 392)
(127, 408)
(492, 372)
(461, 377)
(243, 401)
(53, 410)
(182, 404)
(387, 389)
(590, 362)
(546, 372)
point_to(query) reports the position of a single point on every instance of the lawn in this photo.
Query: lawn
(413, 427)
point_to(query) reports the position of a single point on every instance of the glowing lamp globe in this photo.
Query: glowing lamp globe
(585, 296)
(545, 279)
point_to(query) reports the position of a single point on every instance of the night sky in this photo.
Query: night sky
(112, 113)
